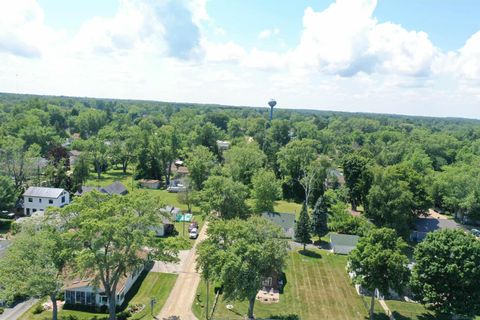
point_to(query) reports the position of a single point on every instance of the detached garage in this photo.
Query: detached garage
(343, 243)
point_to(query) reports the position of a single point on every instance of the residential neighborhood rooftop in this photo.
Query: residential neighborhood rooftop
(43, 192)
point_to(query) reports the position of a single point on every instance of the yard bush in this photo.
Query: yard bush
(38, 309)
(124, 315)
(1, 310)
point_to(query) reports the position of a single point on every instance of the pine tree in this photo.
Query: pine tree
(319, 217)
(303, 227)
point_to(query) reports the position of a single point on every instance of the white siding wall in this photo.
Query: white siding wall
(40, 204)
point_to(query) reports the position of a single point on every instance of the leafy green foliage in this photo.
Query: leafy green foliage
(242, 161)
(266, 190)
(379, 263)
(225, 197)
(8, 194)
(240, 253)
(357, 178)
(445, 276)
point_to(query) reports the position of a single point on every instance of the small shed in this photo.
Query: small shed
(149, 184)
(286, 221)
(343, 243)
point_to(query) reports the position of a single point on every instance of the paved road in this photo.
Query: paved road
(15, 312)
(179, 303)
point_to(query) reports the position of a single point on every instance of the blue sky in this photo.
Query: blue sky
(391, 56)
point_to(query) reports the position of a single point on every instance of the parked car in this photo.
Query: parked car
(7, 215)
(475, 232)
(194, 233)
(193, 225)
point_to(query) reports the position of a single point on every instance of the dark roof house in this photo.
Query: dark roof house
(286, 221)
(426, 225)
(114, 188)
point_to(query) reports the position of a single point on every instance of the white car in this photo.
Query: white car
(194, 233)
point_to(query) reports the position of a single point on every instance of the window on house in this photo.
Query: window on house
(28, 211)
(63, 199)
(50, 201)
(30, 199)
(40, 200)
(69, 297)
(90, 298)
(34, 210)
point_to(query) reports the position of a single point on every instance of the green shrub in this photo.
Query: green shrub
(38, 309)
(124, 315)
(1, 310)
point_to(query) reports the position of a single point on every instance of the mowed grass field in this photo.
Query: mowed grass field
(156, 285)
(317, 287)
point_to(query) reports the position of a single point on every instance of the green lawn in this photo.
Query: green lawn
(317, 287)
(288, 207)
(412, 311)
(156, 285)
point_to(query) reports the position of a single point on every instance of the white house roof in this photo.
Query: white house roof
(43, 192)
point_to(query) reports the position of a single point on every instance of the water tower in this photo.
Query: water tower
(272, 103)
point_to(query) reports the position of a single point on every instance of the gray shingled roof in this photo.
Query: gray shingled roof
(343, 243)
(286, 221)
(433, 224)
(43, 192)
(116, 188)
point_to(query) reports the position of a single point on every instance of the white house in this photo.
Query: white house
(39, 198)
(83, 292)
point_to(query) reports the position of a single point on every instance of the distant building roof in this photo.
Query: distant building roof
(43, 192)
(286, 221)
(433, 224)
(114, 188)
(343, 243)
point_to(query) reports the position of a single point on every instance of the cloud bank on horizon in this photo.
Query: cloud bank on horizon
(173, 50)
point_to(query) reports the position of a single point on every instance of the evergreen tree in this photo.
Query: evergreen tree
(319, 217)
(303, 227)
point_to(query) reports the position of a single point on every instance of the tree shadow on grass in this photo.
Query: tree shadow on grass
(378, 316)
(282, 317)
(311, 254)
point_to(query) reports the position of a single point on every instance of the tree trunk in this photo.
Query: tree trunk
(112, 306)
(354, 206)
(99, 171)
(304, 245)
(372, 305)
(251, 304)
(54, 307)
(124, 167)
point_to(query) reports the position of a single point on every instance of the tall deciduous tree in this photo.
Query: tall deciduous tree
(379, 263)
(113, 232)
(357, 178)
(242, 161)
(34, 265)
(303, 227)
(266, 190)
(97, 153)
(8, 194)
(16, 160)
(81, 171)
(446, 274)
(239, 254)
(224, 196)
(294, 160)
(390, 202)
(320, 217)
(200, 162)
